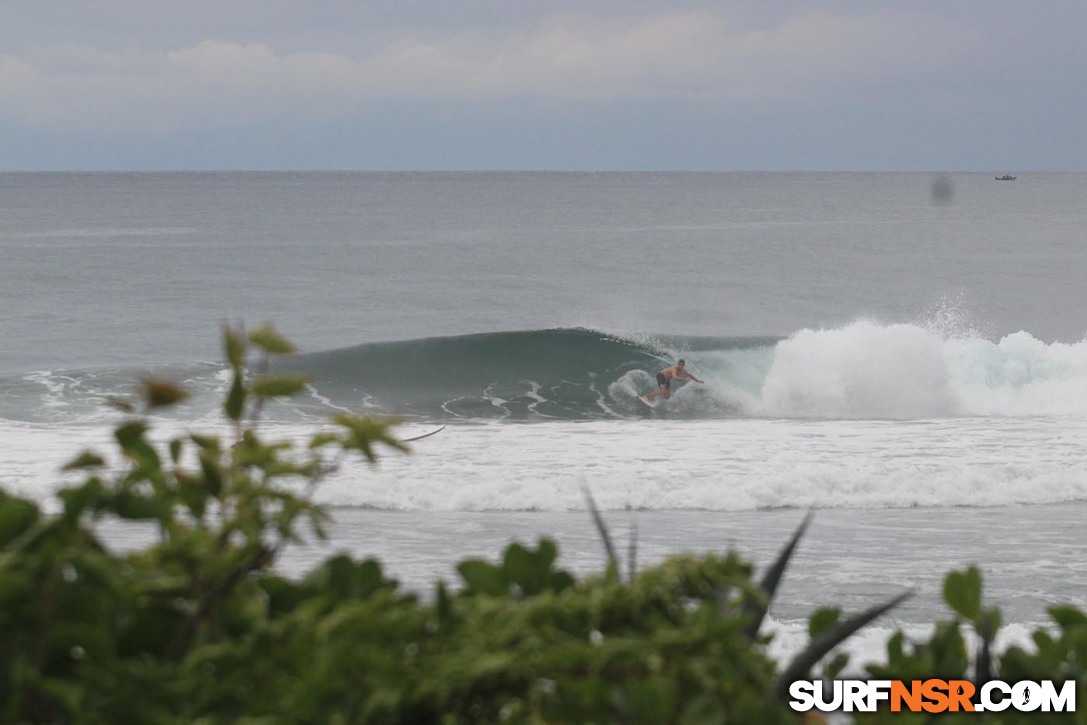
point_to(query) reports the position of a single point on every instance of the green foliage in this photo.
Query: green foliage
(1059, 657)
(90, 635)
(198, 626)
(522, 573)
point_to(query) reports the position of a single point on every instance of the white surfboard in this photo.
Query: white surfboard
(425, 435)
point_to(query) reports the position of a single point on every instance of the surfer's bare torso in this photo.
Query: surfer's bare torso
(677, 372)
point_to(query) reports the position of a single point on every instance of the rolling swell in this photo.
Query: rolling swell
(571, 374)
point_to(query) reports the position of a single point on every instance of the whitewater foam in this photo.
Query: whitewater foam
(730, 465)
(866, 370)
(653, 464)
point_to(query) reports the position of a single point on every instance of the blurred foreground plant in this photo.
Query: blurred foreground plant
(89, 635)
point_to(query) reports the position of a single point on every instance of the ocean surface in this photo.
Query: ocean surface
(903, 353)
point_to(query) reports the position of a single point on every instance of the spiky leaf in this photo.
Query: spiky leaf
(234, 347)
(605, 535)
(756, 608)
(824, 643)
(235, 399)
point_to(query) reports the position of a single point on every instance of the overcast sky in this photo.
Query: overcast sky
(993, 85)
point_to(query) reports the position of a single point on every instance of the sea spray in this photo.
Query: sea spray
(864, 370)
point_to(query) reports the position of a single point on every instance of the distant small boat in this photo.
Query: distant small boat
(1006, 177)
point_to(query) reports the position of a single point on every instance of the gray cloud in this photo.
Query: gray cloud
(674, 56)
(122, 67)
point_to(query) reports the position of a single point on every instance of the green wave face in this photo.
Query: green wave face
(573, 374)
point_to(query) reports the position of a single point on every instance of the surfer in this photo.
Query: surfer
(666, 376)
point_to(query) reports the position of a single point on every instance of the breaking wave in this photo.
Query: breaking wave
(864, 370)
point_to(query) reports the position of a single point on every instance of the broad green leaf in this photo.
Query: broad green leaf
(823, 620)
(322, 440)
(443, 603)
(16, 516)
(195, 497)
(175, 449)
(130, 433)
(837, 663)
(145, 456)
(86, 459)
(208, 443)
(364, 432)
(530, 570)
(162, 393)
(989, 622)
(131, 438)
(267, 338)
(140, 508)
(368, 577)
(962, 592)
(213, 472)
(235, 399)
(1068, 616)
(274, 386)
(88, 496)
(482, 577)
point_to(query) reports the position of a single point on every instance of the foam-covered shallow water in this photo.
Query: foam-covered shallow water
(712, 465)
